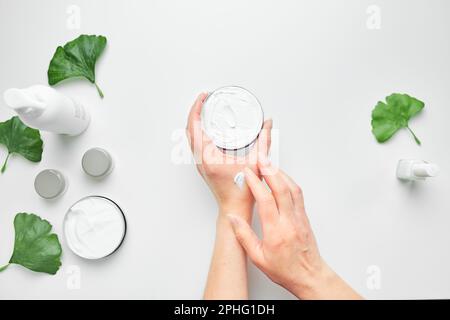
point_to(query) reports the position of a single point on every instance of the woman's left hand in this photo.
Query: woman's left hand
(219, 169)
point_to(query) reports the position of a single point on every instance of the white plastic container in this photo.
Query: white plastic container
(50, 184)
(97, 162)
(44, 108)
(415, 170)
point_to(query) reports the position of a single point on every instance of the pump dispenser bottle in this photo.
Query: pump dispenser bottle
(44, 108)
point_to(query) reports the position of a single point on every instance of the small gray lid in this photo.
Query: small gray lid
(97, 162)
(49, 184)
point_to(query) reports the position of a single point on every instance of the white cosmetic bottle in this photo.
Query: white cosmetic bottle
(416, 170)
(44, 108)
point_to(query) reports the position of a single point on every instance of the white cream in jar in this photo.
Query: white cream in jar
(232, 117)
(94, 227)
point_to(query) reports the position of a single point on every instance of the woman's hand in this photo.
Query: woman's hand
(288, 253)
(219, 169)
(227, 278)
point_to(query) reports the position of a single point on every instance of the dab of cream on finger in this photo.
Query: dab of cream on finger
(239, 180)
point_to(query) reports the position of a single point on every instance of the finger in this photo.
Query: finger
(210, 154)
(196, 108)
(276, 183)
(248, 239)
(201, 145)
(267, 207)
(193, 133)
(297, 197)
(262, 144)
(265, 137)
(296, 191)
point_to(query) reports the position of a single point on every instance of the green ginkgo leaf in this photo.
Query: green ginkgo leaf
(35, 247)
(20, 139)
(77, 59)
(390, 116)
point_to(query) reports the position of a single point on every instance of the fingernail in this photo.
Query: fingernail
(201, 97)
(263, 159)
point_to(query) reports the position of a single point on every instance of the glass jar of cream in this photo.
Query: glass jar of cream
(232, 117)
(94, 227)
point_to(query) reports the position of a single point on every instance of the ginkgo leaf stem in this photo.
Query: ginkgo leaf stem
(4, 267)
(100, 92)
(415, 137)
(4, 163)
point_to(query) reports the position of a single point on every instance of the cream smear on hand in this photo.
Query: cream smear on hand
(94, 227)
(239, 180)
(232, 117)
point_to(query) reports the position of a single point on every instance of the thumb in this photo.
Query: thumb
(247, 238)
(265, 137)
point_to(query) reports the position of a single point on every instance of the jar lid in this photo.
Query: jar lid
(50, 183)
(97, 162)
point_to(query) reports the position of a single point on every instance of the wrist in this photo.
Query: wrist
(240, 209)
(324, 284)
(315, 283)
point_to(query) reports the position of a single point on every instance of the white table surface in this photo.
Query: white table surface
(318, 71)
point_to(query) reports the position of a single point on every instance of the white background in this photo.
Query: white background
(318, 72)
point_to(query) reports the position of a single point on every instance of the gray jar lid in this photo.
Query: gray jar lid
(97, 162)
(50, 184)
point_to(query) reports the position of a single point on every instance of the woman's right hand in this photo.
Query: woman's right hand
(288, 253)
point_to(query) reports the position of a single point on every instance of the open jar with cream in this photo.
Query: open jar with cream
(94, 227)
(232, 117)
